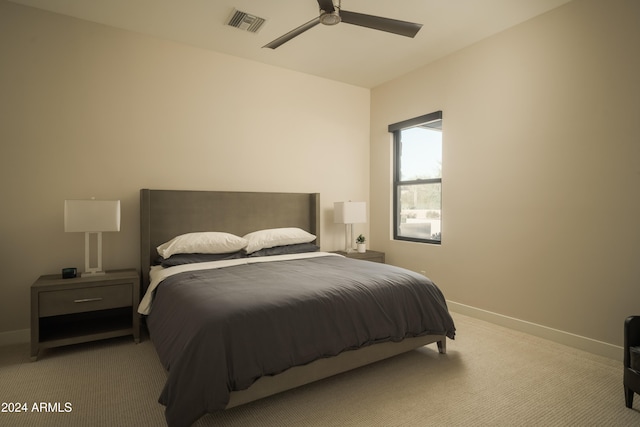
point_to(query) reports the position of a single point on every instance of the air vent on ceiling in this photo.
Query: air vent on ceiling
(245, 21)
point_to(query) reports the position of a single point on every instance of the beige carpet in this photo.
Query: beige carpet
(490, 376)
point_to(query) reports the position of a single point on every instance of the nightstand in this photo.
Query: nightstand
(82, 309)
(374, 256)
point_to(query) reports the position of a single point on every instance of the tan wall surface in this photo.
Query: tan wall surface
(541, 169)
(88, 110)
(541, 165)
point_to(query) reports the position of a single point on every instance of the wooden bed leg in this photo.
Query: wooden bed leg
(442, 346)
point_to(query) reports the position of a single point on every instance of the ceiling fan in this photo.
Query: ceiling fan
(332, 15)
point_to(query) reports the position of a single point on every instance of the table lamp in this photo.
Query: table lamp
(93, 217)
(349, 213)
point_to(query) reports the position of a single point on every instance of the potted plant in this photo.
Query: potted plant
(360, 241)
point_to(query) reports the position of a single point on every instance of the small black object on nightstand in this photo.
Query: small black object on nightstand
(69, 273)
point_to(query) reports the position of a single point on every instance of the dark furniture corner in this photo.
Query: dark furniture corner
(631, 359)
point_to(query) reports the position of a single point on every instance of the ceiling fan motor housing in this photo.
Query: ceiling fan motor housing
(330, 18)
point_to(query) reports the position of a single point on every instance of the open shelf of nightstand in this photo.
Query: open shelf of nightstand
(75, 328)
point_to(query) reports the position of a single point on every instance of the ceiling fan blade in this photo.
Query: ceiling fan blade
(293, 33)
(403, 28)
(326, 5)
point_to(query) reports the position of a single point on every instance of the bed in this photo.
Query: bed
(232, 330)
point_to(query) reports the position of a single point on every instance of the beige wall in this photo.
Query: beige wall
(541, 169)
(87, 110)
(541, 156)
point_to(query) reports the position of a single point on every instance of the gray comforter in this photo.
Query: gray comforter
(220, 330)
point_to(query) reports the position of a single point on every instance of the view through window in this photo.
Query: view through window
(418, 178)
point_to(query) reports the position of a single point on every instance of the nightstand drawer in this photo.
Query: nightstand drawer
(92, 298)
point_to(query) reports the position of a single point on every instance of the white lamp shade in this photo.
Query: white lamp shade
(91, 215)
(350, 212)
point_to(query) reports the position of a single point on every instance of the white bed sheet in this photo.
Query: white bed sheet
(158, 273)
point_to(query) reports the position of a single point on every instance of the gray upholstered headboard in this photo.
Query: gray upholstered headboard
(165, 214)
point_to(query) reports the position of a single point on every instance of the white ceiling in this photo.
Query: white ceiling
(346, 53)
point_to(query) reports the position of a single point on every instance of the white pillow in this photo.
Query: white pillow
(276, 237)
(210, 242)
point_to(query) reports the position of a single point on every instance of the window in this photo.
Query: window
(417, 182)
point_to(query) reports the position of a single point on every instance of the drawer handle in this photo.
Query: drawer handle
(87, 300)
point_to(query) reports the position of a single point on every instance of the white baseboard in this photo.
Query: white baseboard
(572, 340)
(15, 337)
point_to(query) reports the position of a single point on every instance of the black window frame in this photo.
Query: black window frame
(395, 129)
